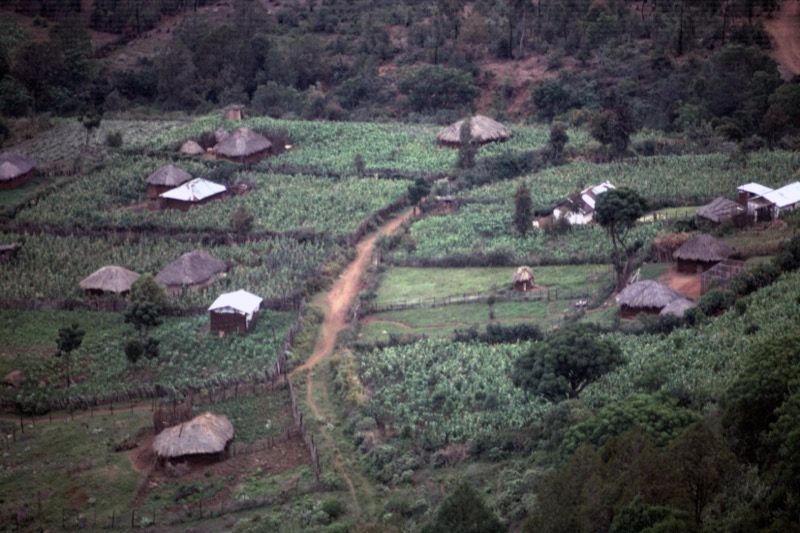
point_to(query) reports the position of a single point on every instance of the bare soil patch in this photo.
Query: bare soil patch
(686, 284)
(784, 28)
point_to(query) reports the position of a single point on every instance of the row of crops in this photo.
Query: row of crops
(278, 203)
(187, 354)
(50, 267)
(331, 147)
(447, 392)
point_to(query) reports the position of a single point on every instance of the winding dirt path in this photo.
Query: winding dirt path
(337, 304)
(784, 27)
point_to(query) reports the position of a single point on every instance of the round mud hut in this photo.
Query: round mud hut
(191, 147)
(645, 297)
(15, 170)
(195, 270)
(720, 210)
(204, 435)
(110, 279)
(165, 178)
(243, 146)
(701, 253)
(482, 128)
(523, 279)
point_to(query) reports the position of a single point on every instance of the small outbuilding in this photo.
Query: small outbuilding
(15, 170)
(697, 255)
(234, 112)
(751, 195)
(205, 434)
(243, 146)
(523, 279)
(483, 129)
(720, 210)
(234, 311)
(110, 279)
(195, 270)
(784, 199)
(191, 147)
(677, 307)
(198, 191)
(164, 179)
(645, 297)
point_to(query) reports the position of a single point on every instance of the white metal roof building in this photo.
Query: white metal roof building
(754, 189)
(196, 190)
(787, 197)
(234, 311)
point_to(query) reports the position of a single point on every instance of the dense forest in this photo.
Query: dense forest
(699, 67)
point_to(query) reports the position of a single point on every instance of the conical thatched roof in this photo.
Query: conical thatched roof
(243, 142)
(220, 135)
(111, 278)
(483, 129)
(205, 433)
(703, 248)
(169, 176)
(14, 165)
(191, 148)
(190, 269)
(522, 274)
(647, 294)
(677, 307)
(720, 209)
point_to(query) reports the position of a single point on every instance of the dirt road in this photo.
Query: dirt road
(784, 28)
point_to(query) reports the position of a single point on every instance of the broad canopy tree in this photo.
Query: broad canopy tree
(69, 340)
(561, 366)
(617, 211)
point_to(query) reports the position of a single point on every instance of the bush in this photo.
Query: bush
(716, 302)
(114, 139)
(333, 507)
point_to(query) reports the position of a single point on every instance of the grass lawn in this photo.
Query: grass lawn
(405, 284)
(10, 198)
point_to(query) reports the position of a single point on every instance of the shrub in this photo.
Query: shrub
(333, 507)
(114, 139)
(716, 301)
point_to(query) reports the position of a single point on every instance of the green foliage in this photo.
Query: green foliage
(617, 211)
(467, 147)
(143, 316)
(716, 301)
(147, 290)
(69, 339)
(523, 209)
(613, 127)
(464, 511)
(558, 140)
(242, 221)
(114, 139)
(418, 190)
(639, 516)
(658, 416)
(563, 364)
(431, 88)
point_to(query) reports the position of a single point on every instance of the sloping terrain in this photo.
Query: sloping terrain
(784, 28)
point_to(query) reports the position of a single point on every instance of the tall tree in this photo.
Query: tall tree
(562, 365)
(69, 340)
(464, 511)
(467, 147)
(523, 209)
(617, 211)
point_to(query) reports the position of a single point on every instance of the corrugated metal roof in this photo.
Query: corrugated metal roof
(240, 300)
(785, 196)
(754, 188)
(195, 190)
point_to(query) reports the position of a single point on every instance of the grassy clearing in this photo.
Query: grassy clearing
(67, 465)
(409, 284)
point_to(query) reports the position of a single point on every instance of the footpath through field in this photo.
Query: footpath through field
(336, 303)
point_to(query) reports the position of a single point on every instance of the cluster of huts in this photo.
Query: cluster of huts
(242, 145)
(196, 270)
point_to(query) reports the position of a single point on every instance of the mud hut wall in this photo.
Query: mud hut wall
(228, 322)
(523, 286)
(180, 290)
(252, 158)
(170, 203)
(686, 266)
(626, 311)
(19, 180)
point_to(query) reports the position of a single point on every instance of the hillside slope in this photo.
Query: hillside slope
(784, 28)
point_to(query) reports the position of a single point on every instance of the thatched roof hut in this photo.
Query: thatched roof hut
(205, 433)
(645, 297)
(109, 279)
(484, 130)
(166, 178)
(191, 147)
(720, 209)
(15, 169)
(701, 253)
(243, 146)
(523, 279)
(677, 307)
(193, 270)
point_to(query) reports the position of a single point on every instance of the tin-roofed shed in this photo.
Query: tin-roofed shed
(195, 192)
(234, 311)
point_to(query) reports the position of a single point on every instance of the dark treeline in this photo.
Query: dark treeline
(667, 64)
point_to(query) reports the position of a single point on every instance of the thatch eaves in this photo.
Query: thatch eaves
(190, 269)
(205, 433)
(169, 176)
(677, 307)
(523, 274)
(720, 209)
(647, 294)
(483, 129)
(110, 278)
(13, 166)
(243, 142)
(703, 248)
(191, 147)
